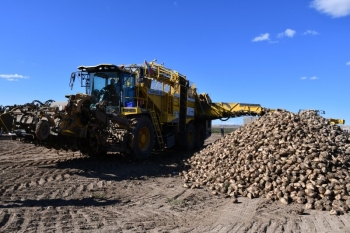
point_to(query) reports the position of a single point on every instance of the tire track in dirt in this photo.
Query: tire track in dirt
(15, 222)
(146, 220)
(4, 218)
(48, 191)
(26, 221)
(31, 180)
(27, 154)
(6, 147)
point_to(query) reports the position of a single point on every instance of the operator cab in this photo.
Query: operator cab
(109, 85)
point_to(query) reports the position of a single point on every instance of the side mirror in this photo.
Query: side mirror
(72, 80)
(141, 76)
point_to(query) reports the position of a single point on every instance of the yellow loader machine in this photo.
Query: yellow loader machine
(333, 121)
(130, 109)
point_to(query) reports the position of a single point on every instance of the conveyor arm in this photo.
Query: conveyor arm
(336, 121)
(224, 111)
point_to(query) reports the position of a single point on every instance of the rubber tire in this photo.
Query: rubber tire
(42, 130)
(90, 147)
(143, 130)
(93, 154)
(190, 137)
(200, 137)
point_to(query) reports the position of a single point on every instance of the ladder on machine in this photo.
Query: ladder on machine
(156, 124)
(155, 121)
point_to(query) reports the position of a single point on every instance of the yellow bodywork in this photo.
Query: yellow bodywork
(336, 121)
(166, 101)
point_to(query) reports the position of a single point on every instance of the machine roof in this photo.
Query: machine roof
(100, 67)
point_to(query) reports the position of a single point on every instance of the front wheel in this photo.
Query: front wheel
(143, 138)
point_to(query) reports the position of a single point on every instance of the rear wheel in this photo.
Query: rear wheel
(143, 140)
(200, 136)
(190, 136)
(42, 130)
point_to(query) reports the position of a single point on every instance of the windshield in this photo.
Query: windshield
(105, 86)
(117, 89)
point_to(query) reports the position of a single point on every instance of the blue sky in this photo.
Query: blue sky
(291, 54)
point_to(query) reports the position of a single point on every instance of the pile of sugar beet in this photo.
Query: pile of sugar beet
(282, 156)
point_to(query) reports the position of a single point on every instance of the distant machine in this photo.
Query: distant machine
(249, 119)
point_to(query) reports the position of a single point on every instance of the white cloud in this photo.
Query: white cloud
(13, 77)
(288, 32)
(334, 8)
(312, 78)
(310, 32)
(348, 63)
(262, 37)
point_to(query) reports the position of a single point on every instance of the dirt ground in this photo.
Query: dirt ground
(45, 190)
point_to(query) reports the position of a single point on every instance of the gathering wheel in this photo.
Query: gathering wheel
(42, 130)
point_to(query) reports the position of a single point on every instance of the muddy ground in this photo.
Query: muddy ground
(45, 190)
